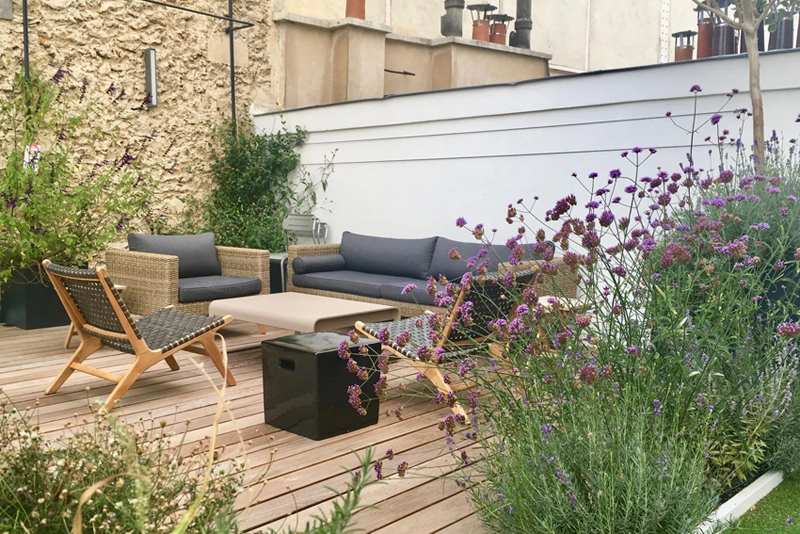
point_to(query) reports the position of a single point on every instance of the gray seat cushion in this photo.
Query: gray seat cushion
(202, 288)
(409, 258)
(442, 264)
(351, 282)
(394, 291)
(318, 264)
(197, 254)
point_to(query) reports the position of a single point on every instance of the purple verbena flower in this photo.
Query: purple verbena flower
(788, 329)
(408, 289)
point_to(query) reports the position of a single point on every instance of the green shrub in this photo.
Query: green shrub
(144, 478)
(603, 469)
(149, 484)
(258, 181)
(65, 206)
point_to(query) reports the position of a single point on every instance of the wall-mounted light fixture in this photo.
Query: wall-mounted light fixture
(6, 11)
(151, 86)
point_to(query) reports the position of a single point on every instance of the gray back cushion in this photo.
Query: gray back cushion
(442, 264)
(318, 264)
(384, 255)
(197, 255)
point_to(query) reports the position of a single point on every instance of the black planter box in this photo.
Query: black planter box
(31, 306)
(275, 278)
(305, 385)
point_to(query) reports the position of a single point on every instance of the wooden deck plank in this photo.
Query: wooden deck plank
(301, 471)
(440, 515)
(468, 525)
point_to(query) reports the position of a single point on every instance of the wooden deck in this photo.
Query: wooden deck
(425, 501)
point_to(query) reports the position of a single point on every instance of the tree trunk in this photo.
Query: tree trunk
(751, 37)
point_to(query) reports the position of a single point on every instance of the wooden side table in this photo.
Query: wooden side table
(72, 331)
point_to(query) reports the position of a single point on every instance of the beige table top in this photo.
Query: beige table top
(301, 312)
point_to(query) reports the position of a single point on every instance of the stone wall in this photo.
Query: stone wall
(102, 42)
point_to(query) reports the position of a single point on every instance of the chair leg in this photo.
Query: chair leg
(212, 351)
(125, 384)
(85, 349)
(435, 375)
(70, 333)
(173, 364)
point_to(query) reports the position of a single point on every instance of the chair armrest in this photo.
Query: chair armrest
(306, 250)
(151, 279)
(246, 262)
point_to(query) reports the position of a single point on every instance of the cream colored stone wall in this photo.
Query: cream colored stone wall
(102, 41)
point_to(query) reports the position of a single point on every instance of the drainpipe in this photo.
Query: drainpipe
(521, 36)
(388, 12)
(588, 35)
(452, 20)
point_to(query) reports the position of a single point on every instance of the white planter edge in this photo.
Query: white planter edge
(741, 502)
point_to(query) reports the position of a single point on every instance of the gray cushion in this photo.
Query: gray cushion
(394, 291)
(318, 264)
(350, 282)
(442, 264)
(197, 255)
(204, 288)
(408, 258)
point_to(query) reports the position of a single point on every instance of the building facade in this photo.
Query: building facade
(300, 53)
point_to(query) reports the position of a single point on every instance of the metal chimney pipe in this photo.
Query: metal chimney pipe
(452, 20)
(521, 36)
(785, 34)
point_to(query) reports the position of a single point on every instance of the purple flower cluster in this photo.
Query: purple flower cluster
(789, 330)
(588, 374)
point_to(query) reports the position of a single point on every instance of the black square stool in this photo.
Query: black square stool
(305, 384)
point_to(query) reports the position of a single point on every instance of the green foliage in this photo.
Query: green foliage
(147, 482)
(603, 470)
(783, 9)
(149, 488)
(250, 168)
(254, 187)
(64, 206)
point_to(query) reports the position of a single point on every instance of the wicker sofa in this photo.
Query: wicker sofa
(155, 280)
(370, 272)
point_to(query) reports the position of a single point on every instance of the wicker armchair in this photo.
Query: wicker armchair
(152, 279)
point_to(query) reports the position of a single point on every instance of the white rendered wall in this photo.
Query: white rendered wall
(408, 166)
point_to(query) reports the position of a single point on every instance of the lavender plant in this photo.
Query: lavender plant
(674, 377)
(56, 201)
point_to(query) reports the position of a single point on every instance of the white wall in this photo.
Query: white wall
(408, 166)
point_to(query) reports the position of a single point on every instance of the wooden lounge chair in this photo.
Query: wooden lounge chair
(490, 301)
(101, 318)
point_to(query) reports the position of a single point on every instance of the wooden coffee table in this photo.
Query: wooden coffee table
(301, 312)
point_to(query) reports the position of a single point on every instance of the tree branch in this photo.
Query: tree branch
(714, 8)
(772, 5)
